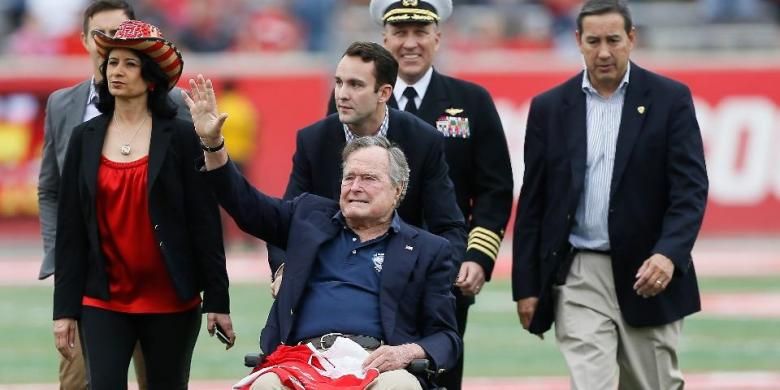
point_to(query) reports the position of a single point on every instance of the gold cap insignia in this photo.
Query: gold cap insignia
(409, 3)
(453, 111)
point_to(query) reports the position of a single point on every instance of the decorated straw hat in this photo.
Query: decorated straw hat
(410, 11)
(147, 39)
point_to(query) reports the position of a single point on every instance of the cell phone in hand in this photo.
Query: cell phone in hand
(221, 336)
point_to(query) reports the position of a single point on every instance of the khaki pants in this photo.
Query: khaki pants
(73, 373)
(389, 380)
(601, 350)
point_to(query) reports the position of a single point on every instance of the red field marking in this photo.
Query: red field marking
(708, 262)
(20, 267)
(697, 381)
(743, 304)
(22, 270)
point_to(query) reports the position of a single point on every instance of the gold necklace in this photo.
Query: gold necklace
(125, 148)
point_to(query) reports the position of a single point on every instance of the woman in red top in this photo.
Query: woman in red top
(138, 237)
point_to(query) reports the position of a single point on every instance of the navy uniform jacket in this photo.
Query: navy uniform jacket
(657, 195)
(430, 198)
(415, 302)
(185, 219)
(479, 164)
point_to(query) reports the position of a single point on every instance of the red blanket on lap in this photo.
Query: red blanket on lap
(300, 367)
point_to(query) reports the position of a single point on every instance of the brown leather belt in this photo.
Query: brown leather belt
(326, 341)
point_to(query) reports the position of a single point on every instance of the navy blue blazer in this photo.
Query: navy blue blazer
(430, 196)
(658, 195)
(415, 301)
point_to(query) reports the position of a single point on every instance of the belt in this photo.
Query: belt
(594, 251)
(563, 267)
(326, 341)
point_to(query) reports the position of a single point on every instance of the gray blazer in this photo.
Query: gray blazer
(64, 111)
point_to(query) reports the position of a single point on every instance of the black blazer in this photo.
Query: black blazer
(415, 303)
(479, 164)
(430, 198)
(657, 195)
(185, 219)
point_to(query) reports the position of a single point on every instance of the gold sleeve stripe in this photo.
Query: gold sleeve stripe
(483, 242)
(476, 246)
(487, 235)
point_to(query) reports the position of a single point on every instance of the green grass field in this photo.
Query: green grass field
(496, 346)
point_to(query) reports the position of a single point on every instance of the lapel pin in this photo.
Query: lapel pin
(640, 109)
(408, 247)
(453, 111)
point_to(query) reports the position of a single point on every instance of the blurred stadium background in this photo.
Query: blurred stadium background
(271, 61)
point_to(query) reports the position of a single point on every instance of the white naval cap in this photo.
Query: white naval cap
(410, 11)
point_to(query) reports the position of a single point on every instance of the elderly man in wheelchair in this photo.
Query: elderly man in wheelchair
(356, 275)
(359, 282)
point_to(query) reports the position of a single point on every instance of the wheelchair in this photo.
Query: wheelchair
(418, 367)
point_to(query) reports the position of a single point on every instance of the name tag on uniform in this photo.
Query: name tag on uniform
(453, 126)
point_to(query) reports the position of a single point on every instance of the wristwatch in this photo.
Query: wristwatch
(213, 149)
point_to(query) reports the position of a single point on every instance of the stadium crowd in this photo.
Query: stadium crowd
(328, 25)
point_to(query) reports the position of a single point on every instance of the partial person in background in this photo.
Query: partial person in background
(732, 11)
(44, 30)
(137, 238)
(211, 25)
(476, 148)
(364, 84)
(613, 197)
(563, 14)
(317, 17)
(66, 109)
(269, 28)
(240, 133)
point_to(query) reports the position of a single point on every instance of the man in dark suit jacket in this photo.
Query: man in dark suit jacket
(395, 277)
(613, 197)
(364, 80)
(67, 108)
(476, 149)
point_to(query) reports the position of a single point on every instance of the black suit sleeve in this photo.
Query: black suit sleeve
(71, 243)
(491, 186)
(530, 209)
(205, 225)
(688, 184)
(440, 209)
(300, 182)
